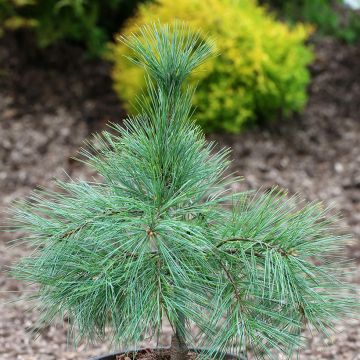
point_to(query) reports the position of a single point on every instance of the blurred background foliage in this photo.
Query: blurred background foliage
(330, 17)
(89, 22)
(261, 75)
(93, 22)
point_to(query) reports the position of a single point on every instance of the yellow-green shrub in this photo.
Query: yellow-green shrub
(260, 72)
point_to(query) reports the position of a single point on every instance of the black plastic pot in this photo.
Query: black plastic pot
(113, 356)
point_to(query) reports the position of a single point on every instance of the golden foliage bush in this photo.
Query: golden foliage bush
(260, 73)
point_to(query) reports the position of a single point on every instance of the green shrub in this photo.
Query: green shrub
(329, 16)
(90, 23)
(10, 17)
(260, 75)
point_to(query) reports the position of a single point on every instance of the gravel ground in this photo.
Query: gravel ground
(50, 102)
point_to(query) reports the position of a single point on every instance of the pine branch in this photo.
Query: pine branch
(90, 221)
(257, 242)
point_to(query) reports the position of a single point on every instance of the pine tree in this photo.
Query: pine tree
(163, 237)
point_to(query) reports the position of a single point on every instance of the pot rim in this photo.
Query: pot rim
(228, 356)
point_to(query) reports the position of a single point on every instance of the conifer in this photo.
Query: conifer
(162, 236)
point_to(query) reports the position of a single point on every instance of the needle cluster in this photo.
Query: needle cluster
(162, 236)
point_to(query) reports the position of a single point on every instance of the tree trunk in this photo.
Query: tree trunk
(178, 349)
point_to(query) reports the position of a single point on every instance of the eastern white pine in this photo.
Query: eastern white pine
(162, 236)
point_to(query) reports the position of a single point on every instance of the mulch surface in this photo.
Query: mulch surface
(150, 354)
(51, 101)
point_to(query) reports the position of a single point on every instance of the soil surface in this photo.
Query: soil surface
(149, 354)
(159, 354)
(51, 101)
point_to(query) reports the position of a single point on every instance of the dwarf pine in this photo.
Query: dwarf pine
(162, 236)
